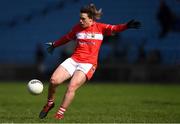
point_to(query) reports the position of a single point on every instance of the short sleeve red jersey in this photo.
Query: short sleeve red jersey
(89, 40)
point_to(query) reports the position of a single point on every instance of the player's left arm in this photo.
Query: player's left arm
(110, 29)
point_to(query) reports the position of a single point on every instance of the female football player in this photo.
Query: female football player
(81, 66)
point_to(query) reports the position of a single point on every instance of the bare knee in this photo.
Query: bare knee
(71, 88)
(54, 81)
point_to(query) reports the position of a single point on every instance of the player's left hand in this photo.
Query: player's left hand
(134, 24)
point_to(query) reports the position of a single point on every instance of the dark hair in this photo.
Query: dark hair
(92, 11)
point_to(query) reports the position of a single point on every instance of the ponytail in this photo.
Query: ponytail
(92, 11)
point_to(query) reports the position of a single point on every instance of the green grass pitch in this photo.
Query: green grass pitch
(94, 103)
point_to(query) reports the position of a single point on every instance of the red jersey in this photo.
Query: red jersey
(89, 40)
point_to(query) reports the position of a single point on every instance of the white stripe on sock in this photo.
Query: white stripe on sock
(60, 112)
(63, 109)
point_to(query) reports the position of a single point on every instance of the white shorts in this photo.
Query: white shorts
(71, 66)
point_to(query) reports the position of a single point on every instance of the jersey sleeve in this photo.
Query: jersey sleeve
(109, 29)
(66, 38)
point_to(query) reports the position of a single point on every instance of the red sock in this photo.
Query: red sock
(50, 102)
(61, 111)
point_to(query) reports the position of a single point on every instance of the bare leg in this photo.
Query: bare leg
(58, 77)
(78, 79)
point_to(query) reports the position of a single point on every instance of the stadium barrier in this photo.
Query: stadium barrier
(104, 73)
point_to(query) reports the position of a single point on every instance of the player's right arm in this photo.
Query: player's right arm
(63, 40)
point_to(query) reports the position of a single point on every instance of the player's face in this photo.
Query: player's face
(85, 21)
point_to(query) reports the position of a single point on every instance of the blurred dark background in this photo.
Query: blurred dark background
(150, 54)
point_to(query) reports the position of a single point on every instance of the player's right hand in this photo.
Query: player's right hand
(50, 47)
